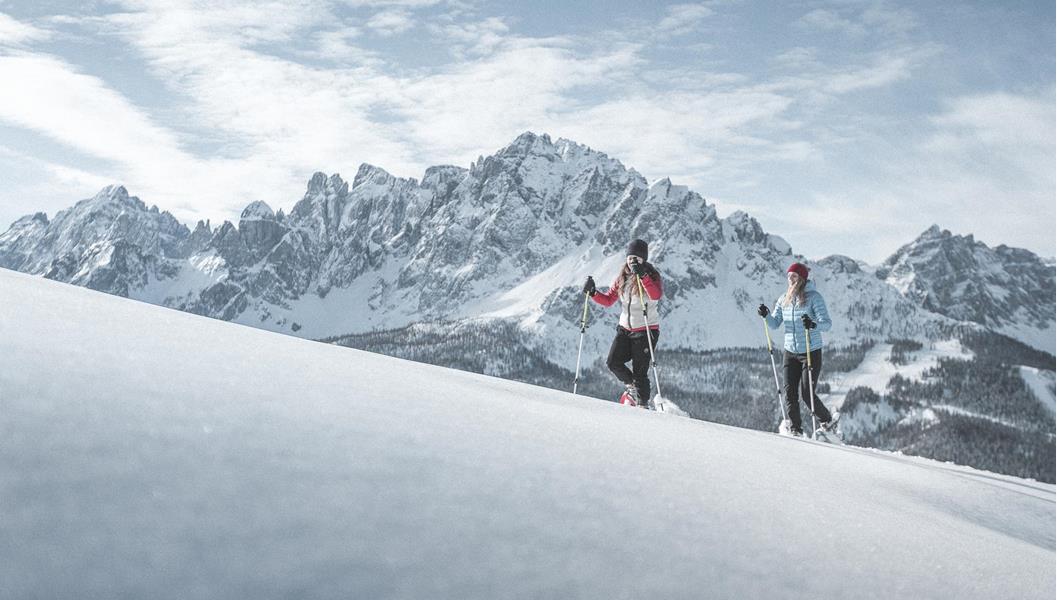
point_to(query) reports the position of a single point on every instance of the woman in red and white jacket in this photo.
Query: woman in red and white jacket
(631, 343)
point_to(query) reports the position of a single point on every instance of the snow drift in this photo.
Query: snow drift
(148, 452)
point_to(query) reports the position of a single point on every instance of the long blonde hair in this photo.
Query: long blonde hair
(625, 275)
(795, 290)
(622, 278)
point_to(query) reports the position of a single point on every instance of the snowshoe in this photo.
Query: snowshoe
(828, 432)
(630, 396)
(786, 428)
(831, 425)
(657, 404)
(626, 399)
(832, 437)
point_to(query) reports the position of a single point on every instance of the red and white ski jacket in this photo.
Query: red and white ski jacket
(631, 305)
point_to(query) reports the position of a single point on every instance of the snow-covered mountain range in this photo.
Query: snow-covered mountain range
(232, 462)
(513, 237)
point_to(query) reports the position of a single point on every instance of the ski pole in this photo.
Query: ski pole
(583, 327)
(649, 339)
(811, 386)
(774, 368)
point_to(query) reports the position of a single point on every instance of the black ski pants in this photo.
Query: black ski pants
(795, 365)
(632, 345)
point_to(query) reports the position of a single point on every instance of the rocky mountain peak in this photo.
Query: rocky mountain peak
(443, 179)
(838, 263)
(528, 142)
(257, 211)
(934, 231)
(739, 226)
(316, 183)
(369, 174)
(963, 278)
(116, 192)
(322, 185)
(33, 220)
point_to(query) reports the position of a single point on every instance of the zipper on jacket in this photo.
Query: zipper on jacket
(630, 300)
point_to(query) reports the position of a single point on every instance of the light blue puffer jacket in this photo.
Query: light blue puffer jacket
(814, 306)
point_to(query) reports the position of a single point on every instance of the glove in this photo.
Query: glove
(638, 268)
(808, 323)
(763, 311)
(589, 286)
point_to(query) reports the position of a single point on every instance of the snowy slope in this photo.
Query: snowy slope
(152, 453)
(1042, 385)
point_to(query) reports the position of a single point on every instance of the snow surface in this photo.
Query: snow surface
(1036, 337)
(1041, 383)
(152, 453)
(198, 273)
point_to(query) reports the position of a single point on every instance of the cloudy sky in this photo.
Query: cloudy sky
(845, 126)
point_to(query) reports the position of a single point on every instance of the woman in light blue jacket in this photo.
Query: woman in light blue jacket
(803, 312)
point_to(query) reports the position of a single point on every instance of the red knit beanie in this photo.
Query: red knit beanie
(799, 269)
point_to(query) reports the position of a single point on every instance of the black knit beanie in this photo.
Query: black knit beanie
(640, 249)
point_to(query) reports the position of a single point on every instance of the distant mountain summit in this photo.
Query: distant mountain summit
(1006, 289)
(111, 242)
(512, 237)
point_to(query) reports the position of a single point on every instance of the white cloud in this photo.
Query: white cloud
(82, 112)
(798, 58)
(60, 176)
(34, 185)
(1003, 122)
(272, 108)
(698, 138)
(53, 98)
(683, 18)
(878, 18)
(997, 153)
(16, 33)
(827, 20)
(485, 103)
(475, 38)
(803, 71)
(885, 70)
(336, 45)
(987, 168)
(390, 3)
(243, 23)
(391, 22)
(890, 20)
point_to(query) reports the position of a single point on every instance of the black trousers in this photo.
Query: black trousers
(632, 346)
(795, 365)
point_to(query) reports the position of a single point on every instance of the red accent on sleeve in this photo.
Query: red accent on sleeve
(608, 298)
(653, 286)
